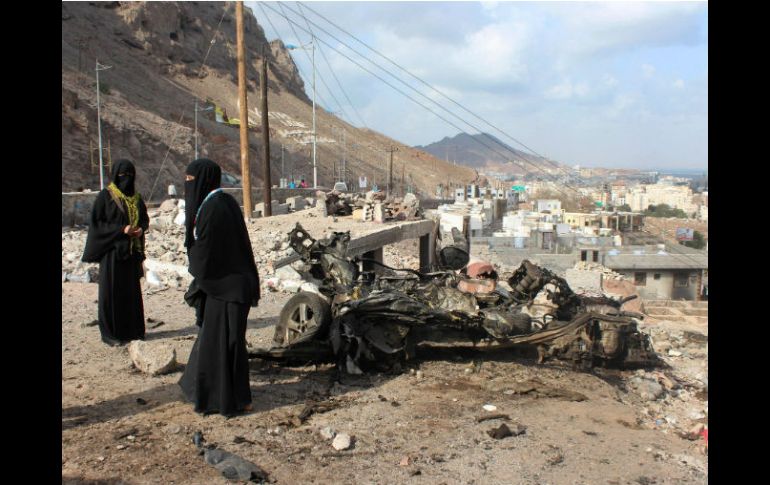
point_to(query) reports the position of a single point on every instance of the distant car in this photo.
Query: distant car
(341, 187)
(229, 180)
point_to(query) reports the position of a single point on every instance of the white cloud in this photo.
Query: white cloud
(648, 70)
(679, 84)
(611, 27)
(610, 81)
(567, 90)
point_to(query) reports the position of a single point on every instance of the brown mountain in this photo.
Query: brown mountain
(164, 56)
(484, 151)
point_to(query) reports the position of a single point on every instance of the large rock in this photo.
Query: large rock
(168, 205)
(647, 389)
(153, 358)
(342, 441)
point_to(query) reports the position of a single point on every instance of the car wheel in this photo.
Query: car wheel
(302, 318)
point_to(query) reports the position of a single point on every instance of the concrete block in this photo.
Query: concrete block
(280, 209)
(296, 203)
(379, 213)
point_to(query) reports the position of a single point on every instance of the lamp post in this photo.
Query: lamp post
(312, 47)
(196, 125)
(100, 67)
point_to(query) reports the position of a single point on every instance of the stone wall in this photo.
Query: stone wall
(76, 208)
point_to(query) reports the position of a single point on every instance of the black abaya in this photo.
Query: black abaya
(216, 378)
(121, 311)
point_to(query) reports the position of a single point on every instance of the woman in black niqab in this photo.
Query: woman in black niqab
(216, 377)
(116, 241)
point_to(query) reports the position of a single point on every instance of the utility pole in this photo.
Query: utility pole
(268, 196)
(99, 67)
(344, 159)
(390, 169)
(315, 166)
(245, 172)
(403, 187)
(282, 172)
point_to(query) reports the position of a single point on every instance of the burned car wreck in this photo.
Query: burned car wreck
(373, 320)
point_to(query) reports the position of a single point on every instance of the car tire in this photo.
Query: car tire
(302, 318)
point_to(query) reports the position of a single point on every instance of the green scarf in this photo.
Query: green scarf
(132, 204)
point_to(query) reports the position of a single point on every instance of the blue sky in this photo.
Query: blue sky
(614, 84)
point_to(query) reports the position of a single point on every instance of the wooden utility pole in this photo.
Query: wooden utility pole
(403, 186)
(244, 112)
(390, 169)
(268, 210)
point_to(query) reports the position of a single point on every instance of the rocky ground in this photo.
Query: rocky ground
(167, 257)
(122, 425)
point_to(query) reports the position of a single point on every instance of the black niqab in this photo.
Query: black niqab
(208, 176)
(121, 310)
(123, 175)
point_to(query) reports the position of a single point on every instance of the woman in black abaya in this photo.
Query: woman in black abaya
(216, 378)
(116, 241)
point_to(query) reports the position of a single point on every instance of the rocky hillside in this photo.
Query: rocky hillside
(486, 151)
(164, 56)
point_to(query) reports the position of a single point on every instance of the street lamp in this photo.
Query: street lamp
(312, 47)
(196, 124)
(100, 67)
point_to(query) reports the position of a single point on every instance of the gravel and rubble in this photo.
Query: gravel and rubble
(428, 413)
(606, 272)
(167, 257)
(417, 426)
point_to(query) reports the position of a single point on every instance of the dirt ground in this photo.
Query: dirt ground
(415, 427)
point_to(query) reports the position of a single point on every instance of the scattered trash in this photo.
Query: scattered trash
(489, 407)
(198, 439)
(152, 278)
(503, 431)
(404, 461)
(127, 432)
(152, 323)
(241, 439)
(492, 416)
(327, 433)
(233, 467)
(121, 447)
(92, 323)
(556, 459)
(140, 401)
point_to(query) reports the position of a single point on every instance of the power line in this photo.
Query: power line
(431, 87)
(179, 123)
(414, 100)
(309, 59)
(278, 36)
(421, 94)
(332, 70)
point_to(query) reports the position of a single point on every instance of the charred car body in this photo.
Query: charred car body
(374, 319)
